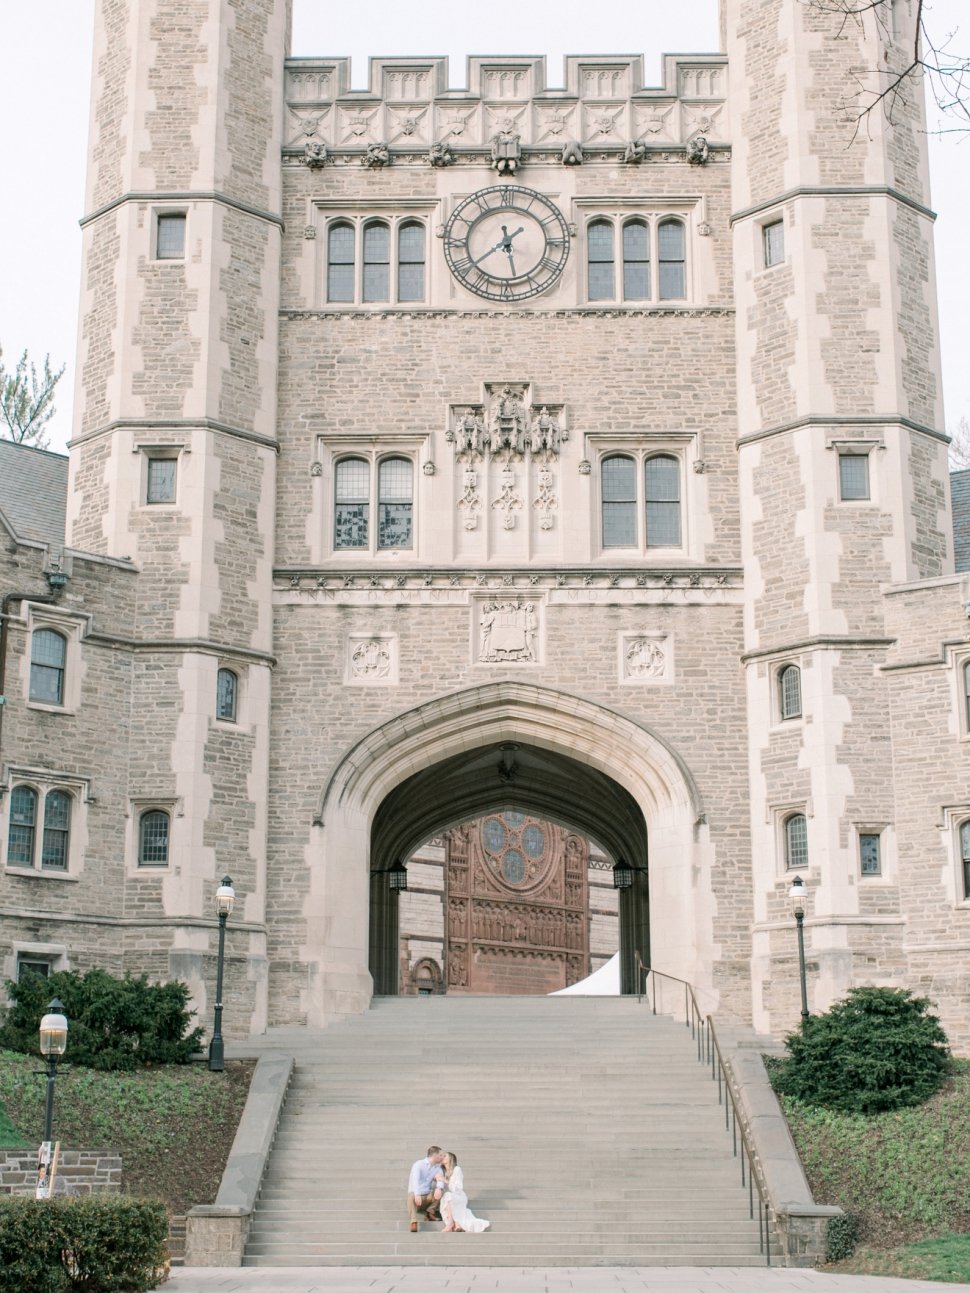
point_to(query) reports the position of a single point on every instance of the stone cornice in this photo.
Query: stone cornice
(203, 646)
(820, 643)
(180, 195)
(839, 420)
(582, 311)
(834, 191)
(175, 424)
(130, 922)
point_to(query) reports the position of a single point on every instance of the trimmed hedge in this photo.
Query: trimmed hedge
(113, 1023)
(96, 1244)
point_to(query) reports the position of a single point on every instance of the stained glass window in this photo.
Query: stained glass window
(672, 258)
(352, 494)
(663, 501)
(513, 819)
(599, 248)
(619, 502)
(533, 841)
(513, 867)
(495, 835)
(395, 477)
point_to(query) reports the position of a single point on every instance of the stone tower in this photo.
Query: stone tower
(174, 452)
(843, 479)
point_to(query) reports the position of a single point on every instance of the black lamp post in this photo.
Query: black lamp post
(53, 1044)
(225, 897)
(797, 895)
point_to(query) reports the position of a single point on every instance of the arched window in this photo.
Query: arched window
(340, 262)
(395, 505)
(662, 494)
(796, 841)
(966, 694)
(790, 691)
(48, 652)
(599, 250)
(636, 261)
(377, 261)
(153, 830)
(57, 830)
(965, 857)
(619, 483)
(351, 503)
(410, 261)
(227, 686)
(23, 826)
(672, 258)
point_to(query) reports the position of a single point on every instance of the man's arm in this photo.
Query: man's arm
(414, 1180)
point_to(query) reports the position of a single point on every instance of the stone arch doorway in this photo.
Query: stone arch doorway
(417, 774)
(507, 777)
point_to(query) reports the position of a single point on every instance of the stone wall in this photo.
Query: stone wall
(79, 1171)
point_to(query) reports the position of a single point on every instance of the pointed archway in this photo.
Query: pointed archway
(417, 772)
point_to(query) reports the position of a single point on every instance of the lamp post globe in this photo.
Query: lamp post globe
(796, 895)
(53, 1044)
(225, 898)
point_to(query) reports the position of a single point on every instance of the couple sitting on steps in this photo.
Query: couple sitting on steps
(436, 1187)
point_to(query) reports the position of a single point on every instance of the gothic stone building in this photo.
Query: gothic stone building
(570, 453)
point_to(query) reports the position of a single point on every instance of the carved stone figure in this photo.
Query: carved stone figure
(377, 155)
(698, 151)
(315, 155)
(635, 152)
(572, 153)
(371, 660)
(441, 153)
(506, 151)
(645, 659)
(509, 632)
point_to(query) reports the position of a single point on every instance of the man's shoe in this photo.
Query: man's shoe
(433, 1216)
(414, 1227)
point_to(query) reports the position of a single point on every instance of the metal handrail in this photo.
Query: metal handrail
(709, 1054)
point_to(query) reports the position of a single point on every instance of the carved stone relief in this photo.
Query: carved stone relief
(506, 425)
(509, 500)
(645, 658)
(545, 501)
(372, 659)
(508, 631)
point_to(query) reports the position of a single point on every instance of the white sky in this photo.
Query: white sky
(44, 88)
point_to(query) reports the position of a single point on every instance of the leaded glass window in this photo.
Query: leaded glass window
(773, 236)
(160, 485)
(351, 503)
(853, 476)
(513, 867)
(966, 692)
(226, 688)
(619, 480)
(340, 262)
(57, 827)
(377, 262)
(965, 857)
(395, 505)
(599, 249)
(170, 236)
(23, 825)
(48, 655)
(870, 862)
(636, 261)
(672, 256)
(662, 477)
(796, 841)
(790, 691)
(410, 261)
(153, 838)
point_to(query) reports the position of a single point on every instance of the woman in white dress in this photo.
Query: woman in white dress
(455, 1212)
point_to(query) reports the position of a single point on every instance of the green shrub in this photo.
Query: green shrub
(98, 1244)
(841, 1237)
(114, 1023)
(877, 1050)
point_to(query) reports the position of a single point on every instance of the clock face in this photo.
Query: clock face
(506, 243)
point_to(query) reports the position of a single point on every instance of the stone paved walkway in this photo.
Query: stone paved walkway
(485, 1279)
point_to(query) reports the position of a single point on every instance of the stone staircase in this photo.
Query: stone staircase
(588, 1134)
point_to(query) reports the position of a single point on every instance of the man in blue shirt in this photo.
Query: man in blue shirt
(424, 1187)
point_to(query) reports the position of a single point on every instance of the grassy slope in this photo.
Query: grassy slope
(173, 1125)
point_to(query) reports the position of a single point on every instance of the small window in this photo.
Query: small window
(227, 685)
(170, 236)
(377, 262)
(663, 501)
(352, 503)
(153, 830)
(48, 655)
(32, 965)
(619, 481)
(395, 505)
(599, 248)
(672, 249)
(965, 858)
(870, 861)
(23, 826)
(410, 261)
(773, 242)
(161, 480)
(796, 841)
(966, 694)
(340, 262)
(853, 476)
(636, 261)
(57, 830)
(790, 692)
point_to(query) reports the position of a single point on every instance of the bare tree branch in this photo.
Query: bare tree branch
(26, 400)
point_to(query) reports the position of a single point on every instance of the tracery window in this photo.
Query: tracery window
(354, 482)
(227, 688)
(796, 841)
(659, 501)
(48, 849)
(392, 257)
(643, 243)
(673, 260)
(48, 658)
(790, 691)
